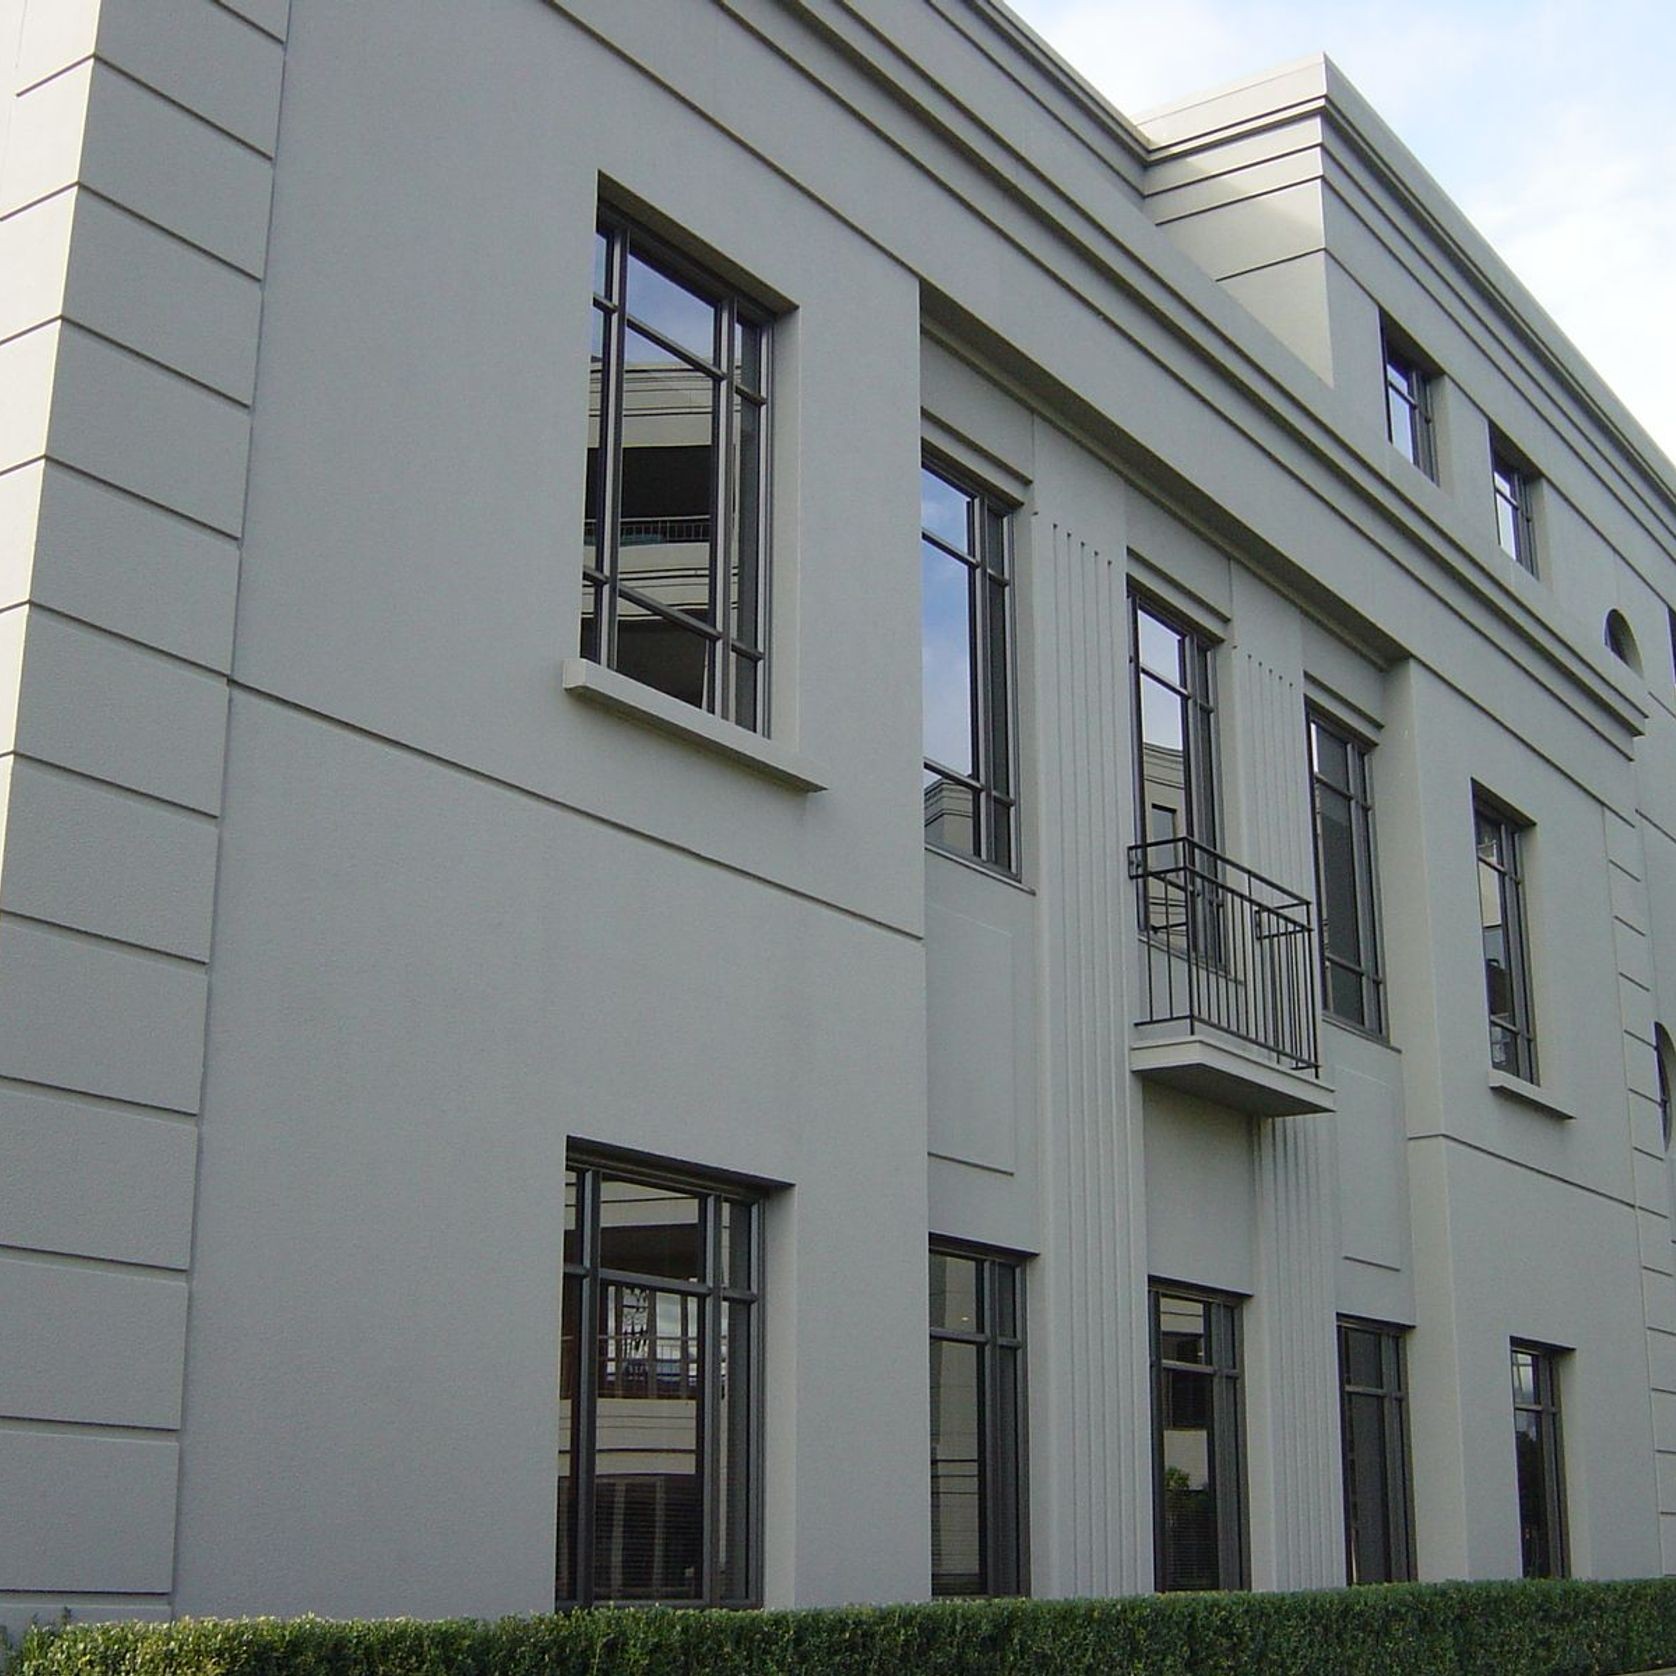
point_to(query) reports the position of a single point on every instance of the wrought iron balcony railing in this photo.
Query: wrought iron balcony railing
(1224, 949)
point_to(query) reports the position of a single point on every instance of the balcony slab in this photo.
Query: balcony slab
(1230, 1075)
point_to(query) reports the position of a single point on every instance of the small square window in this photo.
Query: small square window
(1408, 405)
(1514, 489)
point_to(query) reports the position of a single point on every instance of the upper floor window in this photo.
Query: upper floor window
(971, 807)
(1501, 908)
(657, 1496)
(674, 536)
(1175, 780)
(1352, 987)
(1199, 1488)
(1620, 640)
(977, 1424)
(1536, 1442)
(1378, 1527)
(1408, 405)
(1514, 490)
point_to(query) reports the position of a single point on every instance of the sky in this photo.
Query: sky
(1552, 123)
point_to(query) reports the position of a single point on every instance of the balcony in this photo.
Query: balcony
(1228, 973)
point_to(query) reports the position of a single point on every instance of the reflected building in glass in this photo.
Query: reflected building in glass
(803, 825)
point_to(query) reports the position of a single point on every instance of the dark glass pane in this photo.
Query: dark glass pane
(572, 1224)
(738, 1233)
(1005, 1299)
(746, 684)
(733, 1465)
(1368, 1490)
(671, 308)
(946, 643)
(745, 559)
(1162, 648)
(650, 1230)
(1362, 1360)
(747, 355)
(1006, 1516)
(593, 482)
(648, 1487)
(943, 511)
(995, 540)
(1188, 1491)
(1000, 744)
(565, 1581)
(1536, 1537)
(1341, 929)
(661, 654)
(602, 252)
(956, 1471)
(1182, 1330)
(1346, 995)
(954, 1293)
(1332, 757)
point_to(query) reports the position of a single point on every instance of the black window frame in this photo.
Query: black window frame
(1512, 490)
(1544, 1409)
(1003, 1467)
(1396, 1510)
(1369, 975)
(1222, 1368)
(1664, 1066)
(1409, 380)
(993, 788)
(737, 517)
(716, 1292)
(1513, 1044)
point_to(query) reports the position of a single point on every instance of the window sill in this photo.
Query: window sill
(982, 868)
(1529, 1094)
(636, 702)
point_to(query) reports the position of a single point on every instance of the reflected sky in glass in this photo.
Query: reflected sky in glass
(947, 663)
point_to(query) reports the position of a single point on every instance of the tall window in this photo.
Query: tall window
(1513, 488)
(1378, 1529)
(970, 804)
(1344, 877)
(657, 1366)
(673, 534)
(1199, 1487)
(1501, 910)
(1175, 781)
(1408, 406)
(1536, 1442)
(977, 1425)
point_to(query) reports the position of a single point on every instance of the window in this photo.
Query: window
(657, 1375)
(673, 535)
(1664, 1060)
(1378, 1531)
(1408, 406)
(1501, 910)
(1620, 640)
(977, 1425)
(1536, 1441)
(1199, 1474)
(970, 806)
(1175, 782)
(1514, 489)
(1351, 984)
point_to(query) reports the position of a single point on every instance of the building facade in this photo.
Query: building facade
(983, 900)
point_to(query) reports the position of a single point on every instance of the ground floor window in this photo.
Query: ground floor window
(977, 1424)
(1536, 1442)
(1378, 1528)
(1199, 1485)
(657, 1375)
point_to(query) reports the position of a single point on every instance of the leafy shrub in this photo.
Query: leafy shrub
(1419, 1629)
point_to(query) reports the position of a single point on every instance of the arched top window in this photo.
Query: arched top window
(1620, 640)
(1664, 1052)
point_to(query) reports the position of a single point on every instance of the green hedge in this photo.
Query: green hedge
(1423, 1629)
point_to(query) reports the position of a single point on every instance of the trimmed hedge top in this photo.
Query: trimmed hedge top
(1418, 1629)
